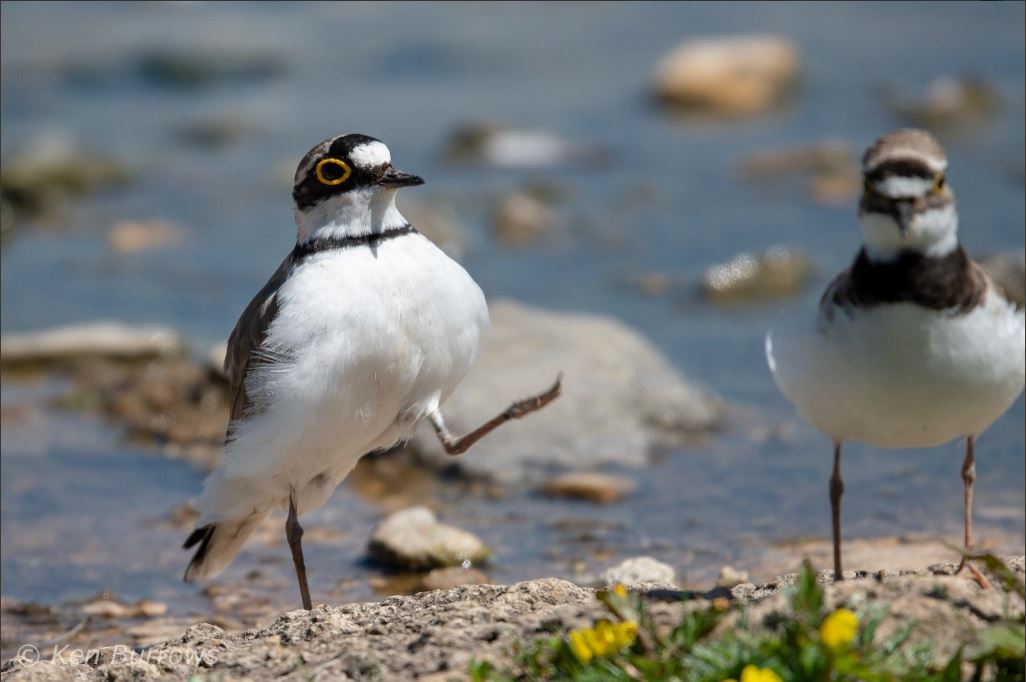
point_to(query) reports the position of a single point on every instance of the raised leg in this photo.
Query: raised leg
(294, 534)
(836, 490)
(457, 446)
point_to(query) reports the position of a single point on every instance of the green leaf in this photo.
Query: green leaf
(807, 601)
(953, 670)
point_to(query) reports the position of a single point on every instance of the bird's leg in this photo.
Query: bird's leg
(457, 446)
(968, 479)
(836, 490)
(294, 534)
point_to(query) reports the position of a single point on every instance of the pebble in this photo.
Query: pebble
(495, 144)
(730, 577)
(828, 167)
(453, 576)
(590, 486)
(522, 219)
(779, 272)
(144, 235)
(728, 76)
(949, 102)
(50, 170)
(642, 570)
(414, 539)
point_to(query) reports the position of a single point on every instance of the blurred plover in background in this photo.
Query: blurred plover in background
(364, 329)
(913, 345)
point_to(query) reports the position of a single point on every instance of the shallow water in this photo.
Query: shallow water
(81, 509)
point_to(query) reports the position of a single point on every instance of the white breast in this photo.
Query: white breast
(903, 376)
(375, 338)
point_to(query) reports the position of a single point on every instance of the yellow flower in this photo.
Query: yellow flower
(602, 640)
(839, 628)
(580, 647)
(753, 673)
(620, 590)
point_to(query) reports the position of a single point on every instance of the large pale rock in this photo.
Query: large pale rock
(728, 76)
(414, 539)
(621, 398)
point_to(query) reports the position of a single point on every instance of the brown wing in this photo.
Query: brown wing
(839, 293)
(985, 276)
(249, 333)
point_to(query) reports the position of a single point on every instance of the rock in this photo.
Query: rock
(145, 235)
(941, 610)
(194, 70)
(817, 158)
(436, 634)
(890, 553)
(731, 577)
(453, 576)
(498, 145)
(107, 608)
(828, 168)
(521, 219)
(215, 357)
(643, 570)
(414, 539)
(1008, 270)
(109, 340)
(594, 487)
(777, 273)
(835, 189)
(728, 76)
(49, 171)
(439, 223)
(621, 398)
(144, 384)
(948, 102)
(218, 133)
(652, 284)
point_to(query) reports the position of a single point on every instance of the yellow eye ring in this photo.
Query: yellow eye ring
(346, 171)
(938, 184)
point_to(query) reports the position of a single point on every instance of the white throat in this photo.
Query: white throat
(932, 233)
(353, 214)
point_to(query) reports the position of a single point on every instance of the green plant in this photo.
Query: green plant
(805, 644)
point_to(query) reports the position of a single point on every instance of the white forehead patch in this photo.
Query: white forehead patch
(937, 165)
(370, 155)
(898, 186)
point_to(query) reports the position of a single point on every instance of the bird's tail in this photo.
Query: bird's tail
(218, 544)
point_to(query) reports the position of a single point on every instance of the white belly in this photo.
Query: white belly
(903, 376)
(375, 339)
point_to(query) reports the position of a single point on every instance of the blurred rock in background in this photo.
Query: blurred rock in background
(735, 76)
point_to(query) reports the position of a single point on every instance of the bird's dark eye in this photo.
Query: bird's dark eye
(332, 171)
(938, 184)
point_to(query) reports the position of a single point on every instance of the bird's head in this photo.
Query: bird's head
(346, 179)
(906, 204)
